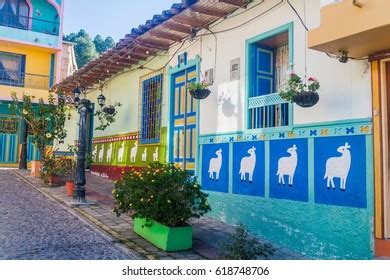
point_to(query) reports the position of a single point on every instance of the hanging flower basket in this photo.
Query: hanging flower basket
(306, 99)
(303, 94)
(198, 90)
(200, 94)
(110, 110)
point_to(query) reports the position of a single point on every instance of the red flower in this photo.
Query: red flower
(312, 79)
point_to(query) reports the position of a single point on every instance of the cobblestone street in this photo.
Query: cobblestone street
(34, 227)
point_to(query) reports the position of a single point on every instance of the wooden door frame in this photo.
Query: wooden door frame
(385, 89)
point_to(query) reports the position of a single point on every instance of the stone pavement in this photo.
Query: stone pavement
(33, 227)
(209, 234)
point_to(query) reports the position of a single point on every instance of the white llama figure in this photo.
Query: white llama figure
(155, 155)
(133, 152)
(101, 153)
(144, 155)
(121, 152)
(248, 165)
(287, 166)
(94, 153)
(338, 167)
(109, 153)
(215, 165)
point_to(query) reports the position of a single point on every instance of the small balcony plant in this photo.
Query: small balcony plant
(162, 200)
(198, 90)
(303, 94)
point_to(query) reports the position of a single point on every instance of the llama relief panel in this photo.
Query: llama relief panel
(215, 167)
(340, 171)
(289, 169)
(248, 168)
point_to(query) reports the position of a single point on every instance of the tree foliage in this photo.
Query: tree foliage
(46, 119)
(87, 49)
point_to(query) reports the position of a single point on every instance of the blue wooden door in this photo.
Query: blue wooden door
(183, 114)
(9, 140)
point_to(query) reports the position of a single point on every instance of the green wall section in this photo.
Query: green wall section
(314, 230)
(128, 145)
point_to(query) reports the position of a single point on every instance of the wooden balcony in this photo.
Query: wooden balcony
(359, 27)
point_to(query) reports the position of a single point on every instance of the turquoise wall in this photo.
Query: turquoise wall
(316, 221)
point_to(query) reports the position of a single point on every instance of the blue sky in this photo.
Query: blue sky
(112, 18)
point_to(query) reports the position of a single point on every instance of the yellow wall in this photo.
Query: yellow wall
(37, 62)
(362, 31)
(37, 59)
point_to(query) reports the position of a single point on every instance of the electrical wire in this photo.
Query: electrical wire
(296, 12)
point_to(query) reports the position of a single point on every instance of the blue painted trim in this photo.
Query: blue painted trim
(249, 56)
(310, 153)
(230, 179)
(266, 169)
(52, 69)
(363, 121)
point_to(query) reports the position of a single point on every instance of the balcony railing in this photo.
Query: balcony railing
(29, 23)
(26, 80)
(268, 111)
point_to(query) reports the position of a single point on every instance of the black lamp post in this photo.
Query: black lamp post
(82, 104)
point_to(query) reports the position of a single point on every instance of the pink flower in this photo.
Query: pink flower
(312, 79)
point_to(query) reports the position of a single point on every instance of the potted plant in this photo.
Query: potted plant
(162, 199)
(71, 173)
(53, 168)
(198, 90)
(109, 110)
(303, 94)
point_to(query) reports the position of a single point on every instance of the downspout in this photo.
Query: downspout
(356, 3)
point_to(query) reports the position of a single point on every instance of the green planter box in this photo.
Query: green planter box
(166, 238)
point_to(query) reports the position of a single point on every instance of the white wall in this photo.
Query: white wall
(345, 88)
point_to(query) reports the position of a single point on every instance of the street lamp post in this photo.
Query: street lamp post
(83, 106)
(79, 191)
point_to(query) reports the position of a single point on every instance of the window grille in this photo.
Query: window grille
(151, 103)
(8, 126)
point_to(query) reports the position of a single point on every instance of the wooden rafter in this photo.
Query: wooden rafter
(237, 3)
(208, 11)
(165, 35)
(177, 27)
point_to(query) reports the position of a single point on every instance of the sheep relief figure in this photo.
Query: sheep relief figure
(94, 153)
(109, 153)
(287, 166)
(144, 155)
(155, 155)
(101, 153)
(338, 167)
(215, 165)
(247, 165)
(133, 152)
(121, 152)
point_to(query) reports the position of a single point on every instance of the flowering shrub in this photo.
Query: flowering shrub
(160, 192)
(295, 86)
(53, 166)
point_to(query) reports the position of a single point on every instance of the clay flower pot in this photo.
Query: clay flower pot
(36, 168)
(54, 180)
(69, 188)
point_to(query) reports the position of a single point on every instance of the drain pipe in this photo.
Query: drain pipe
(356, 3)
